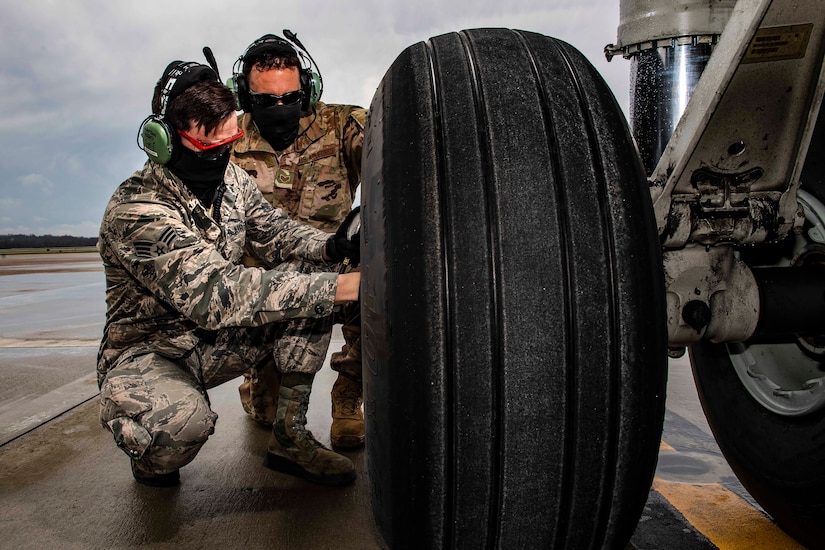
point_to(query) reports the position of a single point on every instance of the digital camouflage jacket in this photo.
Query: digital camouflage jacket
(314, 180)
(172, 269)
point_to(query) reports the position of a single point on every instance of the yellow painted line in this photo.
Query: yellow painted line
(723, 517)
(665, 447)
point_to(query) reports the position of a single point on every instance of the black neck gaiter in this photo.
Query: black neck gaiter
(278, 124)
(201, 175)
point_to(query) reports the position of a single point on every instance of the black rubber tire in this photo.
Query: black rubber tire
(780, 460)
(512, 299)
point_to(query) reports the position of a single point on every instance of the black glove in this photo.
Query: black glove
(346, 243)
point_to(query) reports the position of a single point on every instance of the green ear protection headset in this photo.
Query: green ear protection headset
(155, 136)
(312, 85)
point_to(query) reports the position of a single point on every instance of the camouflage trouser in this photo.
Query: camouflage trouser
(156, 407)
(259, 390)
(348, 360)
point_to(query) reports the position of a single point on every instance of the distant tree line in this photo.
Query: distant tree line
(45, 241)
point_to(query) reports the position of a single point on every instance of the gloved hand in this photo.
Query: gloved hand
(346, 243)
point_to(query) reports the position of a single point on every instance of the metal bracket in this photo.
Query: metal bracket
(710, 294)
(739, 147)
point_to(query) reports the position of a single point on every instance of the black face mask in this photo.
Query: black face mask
(202, 174)
(278, 124)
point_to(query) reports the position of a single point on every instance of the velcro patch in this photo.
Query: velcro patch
(327, 151)
(284, 179)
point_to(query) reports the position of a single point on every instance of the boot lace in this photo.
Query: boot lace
(348, 398)
(299, 425)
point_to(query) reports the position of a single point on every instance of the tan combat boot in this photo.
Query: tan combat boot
(347, 430)
(259, 393)
(293, 449)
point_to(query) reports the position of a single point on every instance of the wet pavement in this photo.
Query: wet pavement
(63, 483)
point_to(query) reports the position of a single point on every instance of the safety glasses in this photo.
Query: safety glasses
(270, 100)
(210, 146)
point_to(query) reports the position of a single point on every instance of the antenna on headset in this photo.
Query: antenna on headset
(292, 37)
(210, 58)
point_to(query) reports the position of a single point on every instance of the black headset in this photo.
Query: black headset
(156, 136)
(312, 85)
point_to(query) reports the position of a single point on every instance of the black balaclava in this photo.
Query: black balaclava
(201, 173)
(278, 124)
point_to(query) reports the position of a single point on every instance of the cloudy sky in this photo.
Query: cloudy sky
(78, 75)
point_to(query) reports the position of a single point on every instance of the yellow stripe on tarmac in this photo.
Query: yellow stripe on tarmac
(665, 447)
(723, 517)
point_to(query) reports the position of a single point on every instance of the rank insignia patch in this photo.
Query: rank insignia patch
(284, 179)
(153, 249)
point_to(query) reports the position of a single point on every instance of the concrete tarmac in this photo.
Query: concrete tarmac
(64, 484)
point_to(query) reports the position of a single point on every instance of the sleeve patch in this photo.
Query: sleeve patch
(165, 242)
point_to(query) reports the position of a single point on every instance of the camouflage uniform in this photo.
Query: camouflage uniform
(184, 315)
(314, 180)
